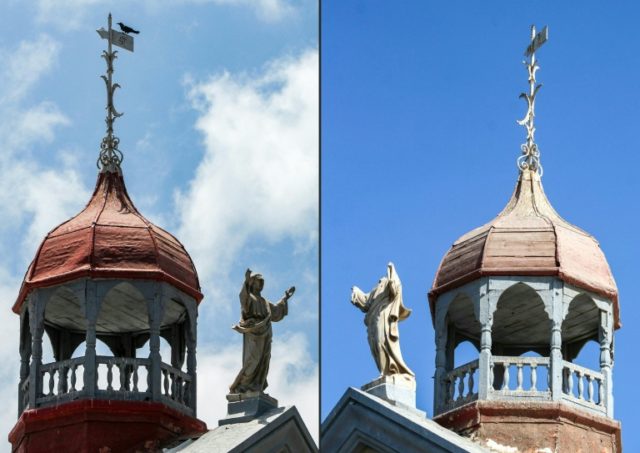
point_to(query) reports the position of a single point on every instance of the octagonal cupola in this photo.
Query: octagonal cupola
(528, 290)
(108, 275)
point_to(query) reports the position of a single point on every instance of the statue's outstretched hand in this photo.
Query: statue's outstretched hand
(288, 293)
(247, 274)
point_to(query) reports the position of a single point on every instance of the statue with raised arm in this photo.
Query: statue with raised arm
(384, 309)
(257, 314)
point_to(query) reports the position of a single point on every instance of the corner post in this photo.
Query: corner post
(557, 316)
(488, 301)
(192, 334)
(155, 306)
(605, 336)
(36, 315)
(91, 305)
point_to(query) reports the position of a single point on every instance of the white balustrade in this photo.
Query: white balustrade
(459, 384)
(526, 377)
(574, 378)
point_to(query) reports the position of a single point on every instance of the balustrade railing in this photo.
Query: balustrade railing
(118, 378)
(59, 380)
(124, 375)
(175, 385)
(519, 377)
(460, 385)
(583, 386)
(524, 378)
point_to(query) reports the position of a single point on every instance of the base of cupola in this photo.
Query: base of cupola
(102, 426)
(529, 426)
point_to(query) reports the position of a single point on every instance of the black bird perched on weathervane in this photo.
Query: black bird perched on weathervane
(126, 29)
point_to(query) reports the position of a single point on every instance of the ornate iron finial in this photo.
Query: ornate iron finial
(110, 156)
(530, 158)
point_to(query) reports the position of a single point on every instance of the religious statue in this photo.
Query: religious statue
(384, 309)
(257, 313)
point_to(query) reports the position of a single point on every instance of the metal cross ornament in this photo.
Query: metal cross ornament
(110, 156)
(530, 158)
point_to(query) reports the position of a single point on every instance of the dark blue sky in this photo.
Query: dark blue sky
(419, 142)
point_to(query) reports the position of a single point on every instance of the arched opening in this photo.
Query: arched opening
(520, 323)
(463, 337)
(521, 334)
(65, 325)
(580, 326)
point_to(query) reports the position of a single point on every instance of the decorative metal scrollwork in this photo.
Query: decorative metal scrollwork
(110, 156)
(530, 158)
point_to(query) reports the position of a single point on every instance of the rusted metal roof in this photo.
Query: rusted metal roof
(528, 238)
(110, 239)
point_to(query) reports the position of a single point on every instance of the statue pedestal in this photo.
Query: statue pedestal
(243, 407)
(397, 389)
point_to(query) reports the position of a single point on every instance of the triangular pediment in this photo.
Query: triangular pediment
(363, 423)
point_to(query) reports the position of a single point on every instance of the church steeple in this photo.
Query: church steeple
(107, 274)
(528, 290)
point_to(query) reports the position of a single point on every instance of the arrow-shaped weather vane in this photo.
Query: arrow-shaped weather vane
(110, 156)
(530, 158)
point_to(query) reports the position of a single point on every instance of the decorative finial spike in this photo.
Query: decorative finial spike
(530, 158)
(110, 156)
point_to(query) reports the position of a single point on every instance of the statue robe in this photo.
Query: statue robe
(255, 325)
(384, 309)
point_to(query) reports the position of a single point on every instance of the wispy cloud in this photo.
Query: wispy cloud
(71, 14)
(259, 176)
(32, 199)
(293, 379)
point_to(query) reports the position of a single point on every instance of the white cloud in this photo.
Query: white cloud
(293, 379)
(32, 199)
(259, 176)
(24, 66)
(66, 14)
(71, 14)
(268, 10)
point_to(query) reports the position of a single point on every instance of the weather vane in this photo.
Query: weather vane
(110, 156)
(530, 158)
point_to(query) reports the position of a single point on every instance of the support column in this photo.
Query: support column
(555, 356)
(488, 301)
(155, 306)
(191, 334)
(25, 355)
(440, 390)
(91, 306)
(605, 337)
(36, 324)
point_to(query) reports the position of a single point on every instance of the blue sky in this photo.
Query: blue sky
(220, 137)
(419, 143)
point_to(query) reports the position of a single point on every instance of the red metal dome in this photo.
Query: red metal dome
(528, 238)
(110, 239)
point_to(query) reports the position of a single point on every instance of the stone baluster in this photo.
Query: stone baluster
(135, 378)
(580, 385)
(62, 380)
(519, 376)
(590, 387)
(534, 377)
(505, 377)
(73, 378)
(600, 393)
(470, 382)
